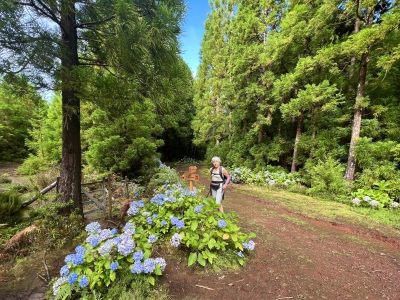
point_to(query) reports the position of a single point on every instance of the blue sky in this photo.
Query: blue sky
(193, 29)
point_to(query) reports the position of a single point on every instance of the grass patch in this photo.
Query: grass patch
(326, 210)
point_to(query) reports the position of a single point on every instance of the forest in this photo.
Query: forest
(303, 95)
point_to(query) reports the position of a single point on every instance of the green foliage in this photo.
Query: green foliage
(5, 180)
(120, 144)
(17, 109)
(32, 165)
(373, 198)
(10, 204)
(54, 229)
(270, 176)
(162, 175)
(327, 179)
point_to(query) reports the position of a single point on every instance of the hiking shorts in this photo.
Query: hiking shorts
(218, 194)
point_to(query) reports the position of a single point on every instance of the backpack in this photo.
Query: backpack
(222, 174)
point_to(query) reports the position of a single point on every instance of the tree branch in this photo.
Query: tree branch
(358, 8)
(46, 11)
(89, 24)
(89, 59)
(97, 65)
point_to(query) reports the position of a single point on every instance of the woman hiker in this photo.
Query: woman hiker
(219, 181)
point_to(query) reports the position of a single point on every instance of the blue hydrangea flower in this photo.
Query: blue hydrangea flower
(72, 278)
(171, 199)
(180, 224)
(114, 231)
(93, 240)
(75, 259)
(149, 265)
(69, 258)
(80, 249)
(107, 247)
(175, 240)
(158, 199)
(149, 220)
(163, 223)
(126, 246)
(197, 209)
(138, 255)
(64, 271)
(132, 211)
(137, 267)
(174, 220)
(221, 223)
(78, 259)
(93, 227)
(161, 261)
(128, 225)
(104, 234)
(249, 246)
(152, 238)
(84, 281)
(240, 253)
(114, 265)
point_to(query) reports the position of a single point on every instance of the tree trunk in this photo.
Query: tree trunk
(299, 132)
(70, 174)
(355, 132)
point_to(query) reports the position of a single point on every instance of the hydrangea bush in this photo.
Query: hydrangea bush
(367, 197)
(277, 178)
(174, 214)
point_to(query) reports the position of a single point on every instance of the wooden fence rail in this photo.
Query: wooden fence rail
(98, 199)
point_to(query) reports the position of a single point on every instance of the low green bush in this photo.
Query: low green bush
(10, 206)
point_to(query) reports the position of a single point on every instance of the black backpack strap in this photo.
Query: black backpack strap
(220, 173)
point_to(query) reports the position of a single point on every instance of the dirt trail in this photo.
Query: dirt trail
(296, 258)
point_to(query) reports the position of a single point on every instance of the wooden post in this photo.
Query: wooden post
(104, 196)
(57, 182)
(191, 176)
(191, 185)
(109, 213)
(126, 187)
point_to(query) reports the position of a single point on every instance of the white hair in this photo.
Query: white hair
(215, 158)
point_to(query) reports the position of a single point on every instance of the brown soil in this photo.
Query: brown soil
(296, 257)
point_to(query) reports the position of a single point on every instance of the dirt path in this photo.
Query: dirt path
(296, 258)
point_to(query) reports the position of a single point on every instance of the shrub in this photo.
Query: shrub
(173, 214)
(162, 175)
(10, 205)
(43, 179)
(55, 230)
(32, 165)
(327, 179)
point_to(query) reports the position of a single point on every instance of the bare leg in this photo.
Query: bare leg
(221, 209)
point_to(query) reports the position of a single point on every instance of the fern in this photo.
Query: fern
(65, 292)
